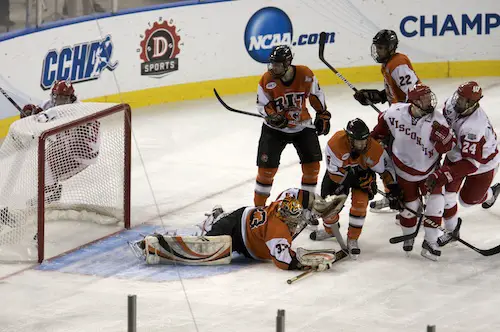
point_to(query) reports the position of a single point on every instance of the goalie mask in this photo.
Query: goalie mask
(423, 100)
(290, 212)
(280, 61)
(466, 99)
(63, 93)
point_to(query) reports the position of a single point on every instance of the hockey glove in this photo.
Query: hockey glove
(349, 180)
(367, 183)
(370, 96)
(29, 110)
(438, 178)
(277, 120)
(395, 197)
(442, 137)
(322, 122)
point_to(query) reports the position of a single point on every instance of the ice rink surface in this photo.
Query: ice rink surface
(197, 154)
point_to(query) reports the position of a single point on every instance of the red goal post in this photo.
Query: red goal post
(73, 164)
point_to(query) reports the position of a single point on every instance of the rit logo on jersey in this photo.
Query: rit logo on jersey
(291, 103)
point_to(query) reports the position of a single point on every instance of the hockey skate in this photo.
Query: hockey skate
(382, 205)
(489, 203)
(408, 246)
(353, 248)
(430, 250)
(450, 236)
(321, 234)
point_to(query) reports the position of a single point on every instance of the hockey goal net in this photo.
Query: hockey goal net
(71, 162)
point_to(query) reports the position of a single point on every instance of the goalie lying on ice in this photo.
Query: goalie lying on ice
(261, 233)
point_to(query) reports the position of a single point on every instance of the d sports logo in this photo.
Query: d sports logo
(271, 26)
(159, 49)
(78, 63)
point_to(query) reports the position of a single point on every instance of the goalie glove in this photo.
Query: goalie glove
(318, 260)
(329, 206)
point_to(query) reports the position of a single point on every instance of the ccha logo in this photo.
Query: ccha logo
(271, 26)
(78, 63)
(159, 49)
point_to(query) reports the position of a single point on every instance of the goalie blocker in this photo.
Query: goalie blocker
(261, 233)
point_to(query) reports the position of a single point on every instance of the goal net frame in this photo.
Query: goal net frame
(127, 141)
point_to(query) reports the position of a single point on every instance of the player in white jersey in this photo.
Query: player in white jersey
(399, 77)
(420, 137)
(71, 151)
(474, 158)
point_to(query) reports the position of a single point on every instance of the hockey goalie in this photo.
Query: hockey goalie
(260, 233)
(66, 154)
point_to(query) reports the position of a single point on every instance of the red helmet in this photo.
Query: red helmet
(63, 93)
(467, 97)
(422, 97)
(470, 90)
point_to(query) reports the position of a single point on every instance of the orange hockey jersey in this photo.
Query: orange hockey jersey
(274, 96)
(338, 157)
(267, 237)
(399, 77)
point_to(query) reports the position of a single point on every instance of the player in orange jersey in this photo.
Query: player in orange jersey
(281, 99)
(261, 233)
(399, 77)
(352, 158)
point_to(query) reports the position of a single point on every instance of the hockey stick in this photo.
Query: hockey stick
(6, 95)
(397, 239)
(300, 231)
(401, 238)
(484, 252)
(229, 108)
(339, 255)
(300, 276)
(322, 41)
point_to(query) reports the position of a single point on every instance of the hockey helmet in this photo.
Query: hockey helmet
(384, 45)
(280, 60)
(63, 93)
(423, 100)
(290, 211)
(358, 132)
(466, 99)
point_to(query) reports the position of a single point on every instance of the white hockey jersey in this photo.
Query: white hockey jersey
(81, 143)
(413, 153)
(476, 139)
(45, 105)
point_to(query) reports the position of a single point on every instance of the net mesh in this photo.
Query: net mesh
(83, 172)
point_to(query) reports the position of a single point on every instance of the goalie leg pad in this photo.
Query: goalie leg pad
(188, 250)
